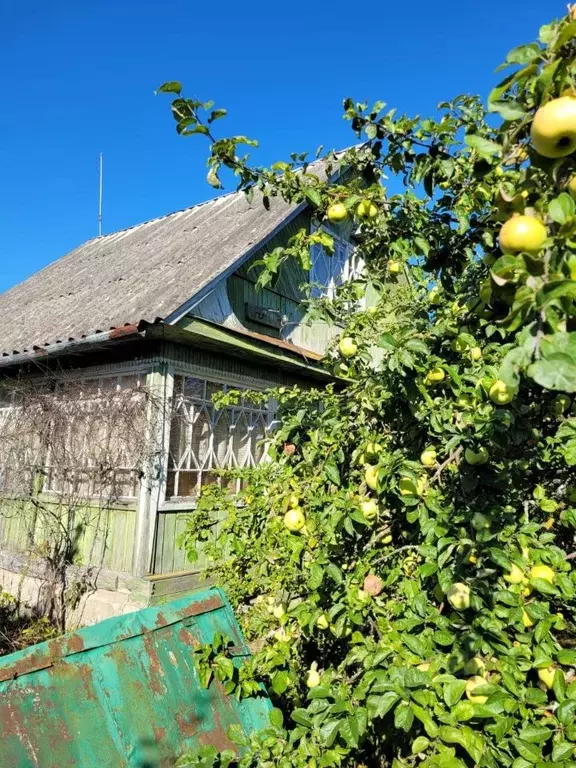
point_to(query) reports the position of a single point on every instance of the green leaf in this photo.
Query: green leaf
(453, 692)
(302, 717)
(349, 731)
(280, 682)
(508, 110)
(482, 146)
(563, 750)
(566, 712)
(557, 289)
(378, 706)
(528, 751)
(420, 744)
(313, 196)
(556, 372)
(172, 86)
(523, 54)
(329, 731)
(316, 576)
(562, 208)
(332, 472)
(403, 717)
(276, 717)
(567, 657)
(216, 114)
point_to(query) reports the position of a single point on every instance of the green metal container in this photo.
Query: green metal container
(124, 692)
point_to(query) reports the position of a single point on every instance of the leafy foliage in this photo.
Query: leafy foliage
(434, 591)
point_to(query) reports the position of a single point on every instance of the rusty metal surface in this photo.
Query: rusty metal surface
(124, 692)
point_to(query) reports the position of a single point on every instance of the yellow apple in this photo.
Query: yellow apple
(313, 679)
(515, 575)
(571, 186)
(348, 347)
(428, 457)
(547, 676)
(371, 477)
(294, 520)
(522, 234)
(293, 501)
(553, 130)
(372, 450)
(435, 375)
(279, 611)
(475, 354)
(459, 596)
(394, 267)
(471, 685)
(337, 212)
(474, 666)
(526, 620)
(543, 572)
(322, 622)
(500, 393)
(480, 456)
(369, 509)
(408, 487)
(372, 310)
(366, 210)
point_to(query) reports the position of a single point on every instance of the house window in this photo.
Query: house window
(204, 439)
(331, 270)
(97, 438)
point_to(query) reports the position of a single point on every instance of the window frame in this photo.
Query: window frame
(223, 383)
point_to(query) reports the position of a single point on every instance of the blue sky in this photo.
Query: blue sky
(79, 78)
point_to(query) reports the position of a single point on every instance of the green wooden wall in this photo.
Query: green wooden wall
(103, 537)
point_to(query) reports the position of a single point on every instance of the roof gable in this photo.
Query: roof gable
(146, 272)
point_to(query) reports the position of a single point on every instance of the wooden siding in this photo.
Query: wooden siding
(105, 538)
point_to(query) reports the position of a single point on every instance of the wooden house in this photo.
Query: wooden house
(169, 307)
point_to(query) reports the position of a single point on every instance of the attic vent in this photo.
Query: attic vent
(269, 317)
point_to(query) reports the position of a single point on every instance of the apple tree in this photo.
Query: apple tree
(403, 566)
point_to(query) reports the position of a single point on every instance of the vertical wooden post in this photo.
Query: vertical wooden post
(152, 491)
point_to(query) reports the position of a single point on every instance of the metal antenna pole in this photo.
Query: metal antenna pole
(100, 198)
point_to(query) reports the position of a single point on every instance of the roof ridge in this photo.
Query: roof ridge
(215, 199)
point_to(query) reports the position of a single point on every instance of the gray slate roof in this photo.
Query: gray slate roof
(142, 273)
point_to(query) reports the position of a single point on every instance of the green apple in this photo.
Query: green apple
(435, 375)
(515, 575)
(371, 477)
(500, 393)
(543, 572)
(348, 347)
(369, 509)
(459, 596)
(474, 666)
(366, 210)
(337, 212)
(553, 130)
(428, 457)
(480, 456)
(475, 354)
(322, 622)
(373, 451)
(294, 520)
(476, 682)
(313, 679)
(522, 234)
(480, 522)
